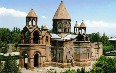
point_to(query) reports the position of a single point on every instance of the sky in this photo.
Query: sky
(98, 15)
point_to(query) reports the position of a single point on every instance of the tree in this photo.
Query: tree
(1, 64)
(4, 48)
(107, 48)
(104, 39)
(9, 36)
(104, 65)
(10, 66)
(95, 37)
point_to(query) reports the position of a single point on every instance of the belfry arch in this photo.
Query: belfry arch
(36, 38)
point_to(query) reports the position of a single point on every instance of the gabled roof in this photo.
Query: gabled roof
(31, 13)
(30, 29)
(61, 12)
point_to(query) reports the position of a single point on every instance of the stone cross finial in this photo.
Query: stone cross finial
(76, 22)
(82, 20)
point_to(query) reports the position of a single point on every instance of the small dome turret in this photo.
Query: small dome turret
(76, 25)
(82, 25)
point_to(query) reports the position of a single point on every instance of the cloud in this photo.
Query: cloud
(11, 12)
(99, 24)
(44, 17)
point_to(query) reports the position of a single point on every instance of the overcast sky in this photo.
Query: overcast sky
(98, 15)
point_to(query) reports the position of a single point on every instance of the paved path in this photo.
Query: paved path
(44, 69)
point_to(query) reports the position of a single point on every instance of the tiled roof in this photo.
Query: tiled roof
(31, 13)
(82, 24)
(62, 35)
(61, 12)
(67, 37)
(55, 36)
(70, 36)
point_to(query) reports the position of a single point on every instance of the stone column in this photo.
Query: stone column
(49, 40)
(64, 55)
(31, 63)
(81, 31)
(31, 59)
(22, 39)
(31, 21)
(22, 62)
(85, 30)
(31, 39)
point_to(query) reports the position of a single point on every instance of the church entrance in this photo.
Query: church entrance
(25, 58)
(36, 60)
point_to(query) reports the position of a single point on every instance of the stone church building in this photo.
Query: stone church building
(61, 48)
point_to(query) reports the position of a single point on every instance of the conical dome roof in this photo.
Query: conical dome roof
(61, 12)
(31, 13)
(76, 25)
(82, 24)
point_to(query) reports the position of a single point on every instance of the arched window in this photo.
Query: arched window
(59, 30)
(68, 30)
(88, 55)
(47, 39)
(29, 22)
(64, 29)
(33, 22)
(26, 37)
(36, 37)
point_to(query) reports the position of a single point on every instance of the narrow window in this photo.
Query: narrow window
(46, 38)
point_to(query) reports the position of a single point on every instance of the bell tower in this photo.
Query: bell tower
(31, 18)
(61, 20)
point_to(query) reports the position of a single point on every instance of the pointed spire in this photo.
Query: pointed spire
(31, 13)
(61, 12)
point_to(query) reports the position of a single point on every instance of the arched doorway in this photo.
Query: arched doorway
(25, 58)
(36, 60)
(35, 37)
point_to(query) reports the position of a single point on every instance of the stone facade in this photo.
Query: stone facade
(60, 48)
(97, 50)
(35, 43)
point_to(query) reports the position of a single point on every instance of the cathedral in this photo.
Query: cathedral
(61, 48)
